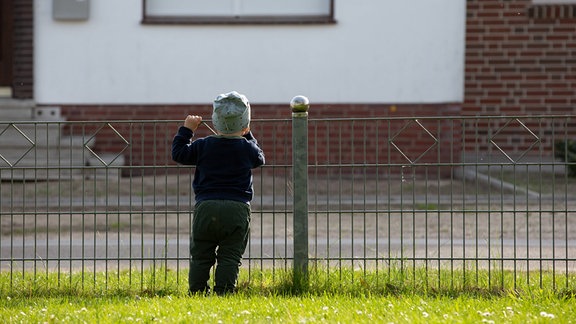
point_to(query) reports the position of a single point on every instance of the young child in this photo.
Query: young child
(223, 190)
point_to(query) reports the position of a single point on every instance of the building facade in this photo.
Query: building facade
(144, 59)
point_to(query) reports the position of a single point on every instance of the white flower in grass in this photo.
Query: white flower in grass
(424, 314)
(325, 308)
(547, 315)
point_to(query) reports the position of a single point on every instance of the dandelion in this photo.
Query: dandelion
(445, 316)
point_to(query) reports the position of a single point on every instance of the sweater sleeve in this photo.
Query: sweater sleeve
(182, 151)
(259, 159)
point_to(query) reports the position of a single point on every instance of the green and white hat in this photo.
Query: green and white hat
(231, 112)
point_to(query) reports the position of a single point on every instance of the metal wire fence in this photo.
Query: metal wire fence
(472, 197)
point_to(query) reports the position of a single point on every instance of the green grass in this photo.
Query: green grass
(345, 296)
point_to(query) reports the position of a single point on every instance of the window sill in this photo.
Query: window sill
(224, 20)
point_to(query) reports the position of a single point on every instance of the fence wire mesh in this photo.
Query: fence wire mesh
(476, 198)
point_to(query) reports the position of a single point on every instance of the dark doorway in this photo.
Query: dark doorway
(6, 43)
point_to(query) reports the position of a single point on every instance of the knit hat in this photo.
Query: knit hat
(231, 112)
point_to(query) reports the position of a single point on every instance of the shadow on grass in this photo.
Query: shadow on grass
(320, 282)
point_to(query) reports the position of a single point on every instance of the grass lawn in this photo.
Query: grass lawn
(59, 299)
(405, 308)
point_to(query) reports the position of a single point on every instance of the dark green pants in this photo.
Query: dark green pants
(219, 236)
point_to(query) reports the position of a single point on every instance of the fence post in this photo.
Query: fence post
(300, 105)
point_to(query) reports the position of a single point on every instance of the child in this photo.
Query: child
(223, 189)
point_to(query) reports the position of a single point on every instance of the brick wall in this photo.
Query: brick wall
(339, 134)
(23, 71)
(520, 60)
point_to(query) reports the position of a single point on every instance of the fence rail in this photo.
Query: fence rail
(466, 195)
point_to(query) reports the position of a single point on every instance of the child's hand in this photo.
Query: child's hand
(192, 122)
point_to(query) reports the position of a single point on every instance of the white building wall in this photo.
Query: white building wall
(379, 51)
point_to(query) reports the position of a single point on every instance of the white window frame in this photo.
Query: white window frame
(231, 12)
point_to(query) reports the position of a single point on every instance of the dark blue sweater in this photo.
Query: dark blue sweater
(223, 164)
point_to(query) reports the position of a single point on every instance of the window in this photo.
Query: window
(544, 2)
(552, 9)
(237, 11)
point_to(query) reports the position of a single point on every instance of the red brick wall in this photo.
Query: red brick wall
(339, 134)
(520, 60)
(23, 38)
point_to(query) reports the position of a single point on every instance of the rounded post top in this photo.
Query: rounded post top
(299, 104)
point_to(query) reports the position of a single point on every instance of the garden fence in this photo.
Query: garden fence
(478, 198)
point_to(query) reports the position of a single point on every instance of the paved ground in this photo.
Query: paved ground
(532, 238)
(439, 223)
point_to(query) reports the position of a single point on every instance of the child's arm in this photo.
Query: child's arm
(182, 151)
(259, 159)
